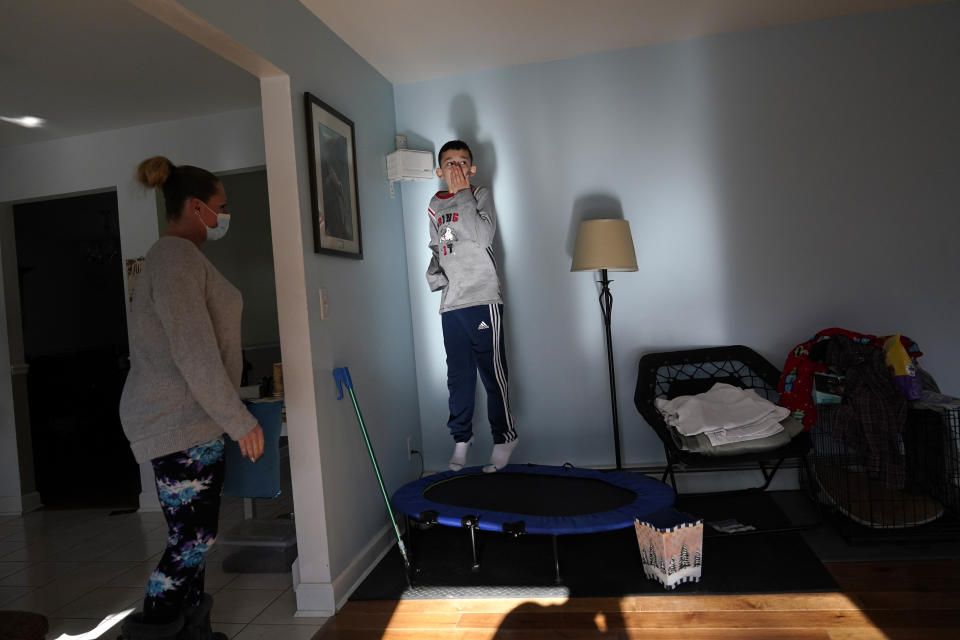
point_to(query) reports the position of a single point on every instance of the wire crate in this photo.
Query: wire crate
(938, 474)
(885, 487)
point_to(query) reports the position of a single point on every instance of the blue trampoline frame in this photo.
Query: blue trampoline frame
(651, 496)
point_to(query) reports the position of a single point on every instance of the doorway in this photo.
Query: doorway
(245, 258)
(70, 276)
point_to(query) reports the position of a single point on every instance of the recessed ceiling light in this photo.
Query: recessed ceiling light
(31, 122)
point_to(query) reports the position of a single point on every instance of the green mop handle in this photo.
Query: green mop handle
(342, 377)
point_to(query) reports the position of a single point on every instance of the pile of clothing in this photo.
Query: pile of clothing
(727, 420)
(872, 420)
(847, 350)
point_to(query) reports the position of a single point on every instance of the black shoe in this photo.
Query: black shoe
(134, 628)
(196, 624)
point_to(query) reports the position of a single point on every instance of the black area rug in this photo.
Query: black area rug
(604, 564)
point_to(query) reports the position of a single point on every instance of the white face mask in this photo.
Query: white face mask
(223, 223)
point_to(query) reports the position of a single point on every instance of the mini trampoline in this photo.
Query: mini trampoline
(532, 499)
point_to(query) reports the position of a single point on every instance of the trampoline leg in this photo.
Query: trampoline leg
(408, 529)
(556, 562)
(473, 545)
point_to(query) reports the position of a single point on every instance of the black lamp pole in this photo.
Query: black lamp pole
(606, 306)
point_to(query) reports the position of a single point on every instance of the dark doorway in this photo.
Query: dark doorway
(75, 341)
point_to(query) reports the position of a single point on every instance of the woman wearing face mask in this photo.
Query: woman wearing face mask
(181, 395)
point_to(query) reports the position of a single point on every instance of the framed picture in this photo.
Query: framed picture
(333, 180)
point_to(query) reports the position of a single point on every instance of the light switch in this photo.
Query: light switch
(323, 304)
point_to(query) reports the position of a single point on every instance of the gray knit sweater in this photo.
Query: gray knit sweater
(185, 354)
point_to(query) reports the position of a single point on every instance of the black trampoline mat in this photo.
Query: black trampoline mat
(529, 494)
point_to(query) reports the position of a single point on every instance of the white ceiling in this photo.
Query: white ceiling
(94, 65)
(413, 40)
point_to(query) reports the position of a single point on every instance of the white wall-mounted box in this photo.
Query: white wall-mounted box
(406, 164)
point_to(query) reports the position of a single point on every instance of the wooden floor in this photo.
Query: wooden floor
(877, 600)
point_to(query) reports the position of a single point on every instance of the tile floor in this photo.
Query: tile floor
(79, 567)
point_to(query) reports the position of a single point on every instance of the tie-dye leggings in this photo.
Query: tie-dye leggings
(189, 485)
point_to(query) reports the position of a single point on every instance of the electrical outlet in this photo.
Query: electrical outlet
(409, 447)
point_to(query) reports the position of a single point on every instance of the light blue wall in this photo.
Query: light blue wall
(777, 182)
(369, 308)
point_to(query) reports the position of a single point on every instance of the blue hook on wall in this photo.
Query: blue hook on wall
(342, 377)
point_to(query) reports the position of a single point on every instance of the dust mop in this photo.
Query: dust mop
(342, 377)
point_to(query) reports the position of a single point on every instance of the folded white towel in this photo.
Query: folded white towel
(762, 429)
(723, 407)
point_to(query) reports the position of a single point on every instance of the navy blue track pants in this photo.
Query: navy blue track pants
(473, 339)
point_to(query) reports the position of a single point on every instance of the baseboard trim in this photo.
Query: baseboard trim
(19, 505)
(737, 478)
(365, 561)
(314, 600)
(786, 479)
(149, 501)
(10, 505)
(31, 502)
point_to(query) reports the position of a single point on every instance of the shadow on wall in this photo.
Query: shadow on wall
(464, 124)
(421, 143)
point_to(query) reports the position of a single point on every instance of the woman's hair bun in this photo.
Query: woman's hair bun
(154, 171)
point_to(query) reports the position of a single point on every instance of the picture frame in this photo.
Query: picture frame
(334, 196)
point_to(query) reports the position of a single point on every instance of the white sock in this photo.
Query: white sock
(459, 457)
(500, 456)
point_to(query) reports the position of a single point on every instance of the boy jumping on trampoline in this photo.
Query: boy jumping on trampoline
(462, 226)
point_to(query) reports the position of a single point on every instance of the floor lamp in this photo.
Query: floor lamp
(606, 245)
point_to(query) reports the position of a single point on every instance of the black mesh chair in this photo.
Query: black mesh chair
(677, 373)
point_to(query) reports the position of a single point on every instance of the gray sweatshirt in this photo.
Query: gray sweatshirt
(185, 354)
(462, 227)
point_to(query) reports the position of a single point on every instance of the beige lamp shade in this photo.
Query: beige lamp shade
(604, 244)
